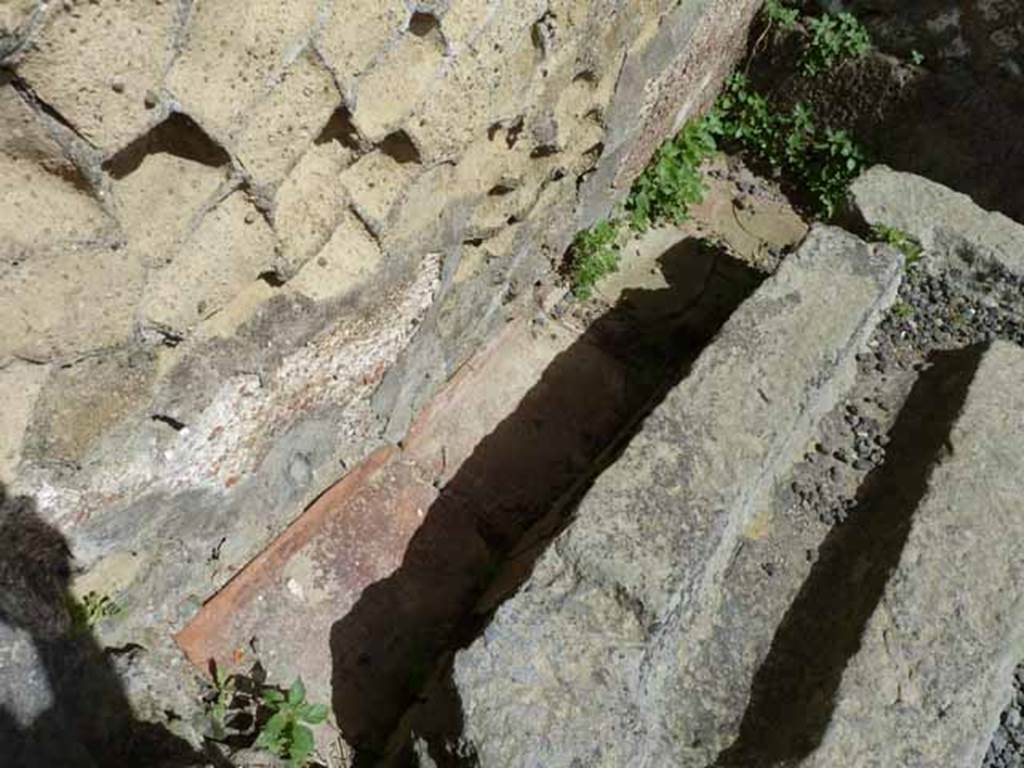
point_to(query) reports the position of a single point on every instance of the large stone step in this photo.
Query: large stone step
(951, 227)
(936, 659)
(567, 671)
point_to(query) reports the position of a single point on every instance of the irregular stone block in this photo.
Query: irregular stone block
(58, 306)
(355, 33)
(348, 262)
(544, 684)
(375, 183)
(492, 80)
(281, 126)
(162, 186)
(24, 232)
(396, 84)
(948, 224)
(97, 87)
(231, 247)
(310, 202)
(232, 54)
(936, 660)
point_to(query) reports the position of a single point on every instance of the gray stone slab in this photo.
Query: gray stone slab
(950, 226)
(560, 674)
(936, 660)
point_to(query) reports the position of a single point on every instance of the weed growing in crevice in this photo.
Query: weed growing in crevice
(834, 39)
(663, 192)
(821, 162)
(778, 13)
(672, 181)
(595, 253)
(90, 610)
(244, 710)
(902, 241)
(817, 161)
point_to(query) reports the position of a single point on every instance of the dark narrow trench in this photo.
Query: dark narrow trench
(389, 652)
(793, 693)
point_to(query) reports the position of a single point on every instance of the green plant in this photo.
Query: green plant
(777, 12)
(834, 38)
(900, 240)
(820, 162)
(244, 710)
(595, 253)
(832, 162)
(91, 609)
(917, 57)
(286, 733)
(672, 181)
(902, 310)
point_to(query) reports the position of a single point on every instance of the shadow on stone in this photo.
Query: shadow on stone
(793, 693)
(87, 720)
(481, 537)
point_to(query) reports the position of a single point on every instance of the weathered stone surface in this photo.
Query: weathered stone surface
(232, 54)
(398, 82)
(23, 134)
(549, 682)
(15, 17)
(936, 659)
(304, 217)
(229, 249)
(951, 227)
(65, 304)
(346, 263)
(20, 384)
(355, 33)
(24, 232)
(160, 197)
(80, 404)
(358, 532)
(375, 183)
(280, 127)
(310, 202)
(97, 87)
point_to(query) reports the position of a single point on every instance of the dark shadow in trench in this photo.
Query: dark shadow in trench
(89, 721)
(389, 652)
(793, 693)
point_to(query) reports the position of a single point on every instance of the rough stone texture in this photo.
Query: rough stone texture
(19, 387)
(281, 126)
(950, 226)
(15, 18)
(233, 54)
(245, 243)
(578, 666)
(936, 659)
(99, 88)
(230, 248)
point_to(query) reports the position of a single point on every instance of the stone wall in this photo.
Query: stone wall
(242, 243)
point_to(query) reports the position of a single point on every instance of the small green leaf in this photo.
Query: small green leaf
(301, 745)
(275, 725)
(313, 713)
(297, 692)
(271, 697)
